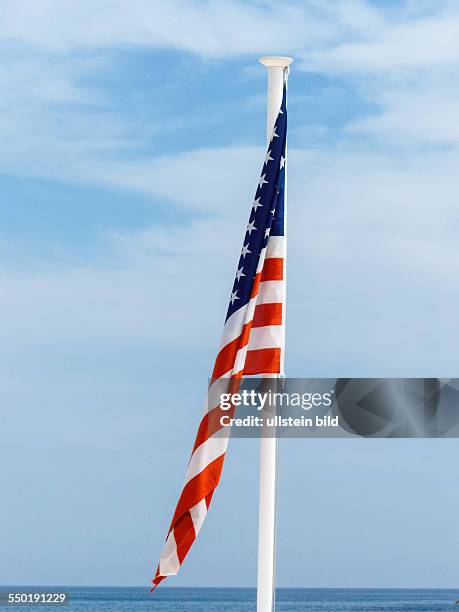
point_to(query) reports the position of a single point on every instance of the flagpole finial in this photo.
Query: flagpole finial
(276, 61)
(278, 69)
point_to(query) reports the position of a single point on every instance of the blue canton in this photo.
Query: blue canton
(267, 214)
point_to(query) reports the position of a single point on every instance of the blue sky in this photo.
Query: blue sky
(131, 135)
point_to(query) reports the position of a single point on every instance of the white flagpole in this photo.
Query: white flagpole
(268, 446)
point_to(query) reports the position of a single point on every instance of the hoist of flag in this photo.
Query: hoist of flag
(252, 344)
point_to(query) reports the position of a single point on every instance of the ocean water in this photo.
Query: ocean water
(167, 599)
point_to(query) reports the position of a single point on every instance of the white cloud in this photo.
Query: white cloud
(50, 120)
(405, 67)
(399, 41)
(425, 112)
(399, 212)
(215, 28)
(201, 179)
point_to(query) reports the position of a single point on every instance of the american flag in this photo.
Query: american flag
(252, 344)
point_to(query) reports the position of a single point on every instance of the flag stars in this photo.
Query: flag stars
(251, 227)
(245, 250)
(256, 204)
(239, 273)
(233, 297)
(282, 162)
(275, 134)
(267, 230)
(262, 181)
(268, 157)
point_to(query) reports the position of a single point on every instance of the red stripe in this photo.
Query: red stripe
(184, 535)
(262, 361)
(199, 487)
(209, 499)
(267, 314)
(227, 355)
(273, 269)
(210, 424)
(256, 285)
(157, 580)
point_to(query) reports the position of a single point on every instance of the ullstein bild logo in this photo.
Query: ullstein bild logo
(330, 407)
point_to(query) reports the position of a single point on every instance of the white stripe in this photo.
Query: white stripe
(217, 388)
(268, 336)
(261, 260)
(240, 359)
(169, 564)
(233, 326)
(271, 292)
(198, 514)
(209, 450)
(276, 246)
